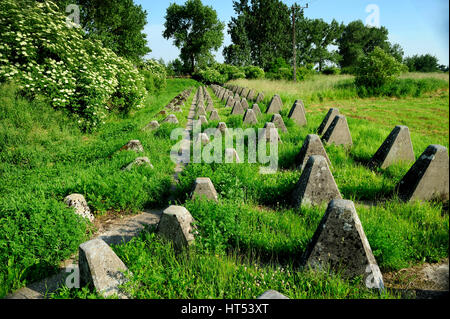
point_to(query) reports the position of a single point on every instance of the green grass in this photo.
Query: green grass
(44, 157)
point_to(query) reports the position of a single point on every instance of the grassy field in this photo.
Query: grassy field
(251, 241)
(44, 157)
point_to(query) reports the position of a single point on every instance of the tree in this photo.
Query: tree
(195, 29)
(422, 63)
(321, 36)
(261, 33)
(118, 24)
(357, 40)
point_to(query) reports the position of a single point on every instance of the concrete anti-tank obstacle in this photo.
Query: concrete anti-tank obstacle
(202, 138)
(279, 123)
(272, 294)
(338, 132)
(153, 125)
(396, 148)
(275, 105)
(244, 103)
(341, 244)
(298, 114)
(140, 161)
(176, 225)
(237, 108)
(249, 117)
(200, 111)
(251, 95)
(428, 178)
(202, 119)
(256, 110)
(101, 268)
(171, 119)
(204, 188)
(327, 120)
(316, 184)
(230, 101)
(79, 203)
(311, 146)
(259, 98)
(270, 132)
(214, 116)
(133, 145)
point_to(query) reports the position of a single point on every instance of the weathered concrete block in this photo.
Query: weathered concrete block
(244, 103)
(428, 178)
(244, 92)
(202, 138)
(200, 111)
(153, 125)
(312, 146)
(214, 116)
(222, 127)
(260, 97)
(338, 132)
(249, 117)
(275, 105)
(204, 188)
(270, 132)
(171, 119)
(279, 123)
(138, 162)
(231, 156)
(298, 114)
(133, 145)
(101, 268)
(272, 294)
(251, 95)
(256, 110)
(176, 225)
(210, 107)
(341, 244)
(316, 184)
(396, 148)
(327, 120)
(230, 101)
(78, 202)
(203, 119)
(237, 108)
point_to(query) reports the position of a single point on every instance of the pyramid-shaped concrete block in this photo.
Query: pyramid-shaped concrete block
(237, 108)
(428, 178)
(316, 184)
(275, 105)
(312, 146)
(338, 132)
(298, 114)
(251, 95)
(202, 138)
(340, 243)
(200, 111)
(101, 268)
(244, 103)
(140, 161)
(231, 156)
(203, 119)
(171, 119)
(214, 116)
(250, 117)
(201, 103)
(279, 123)
(244, 92)
(270, 132)
(133, 145)
(260, 97)
(176, 225)
(230, 101)
(210, 107)
(396, 148)
(272, 294)
(204, 188)
(256, 110)
(153, 125)
(327, 120)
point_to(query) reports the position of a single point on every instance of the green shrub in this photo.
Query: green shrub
(155, 75)
(253, 72)
(376, 69)
(331, 70)
(45, 55)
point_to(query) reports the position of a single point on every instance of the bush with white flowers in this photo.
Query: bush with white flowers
(44, 54)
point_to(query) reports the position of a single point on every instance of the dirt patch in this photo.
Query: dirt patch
(424, 277)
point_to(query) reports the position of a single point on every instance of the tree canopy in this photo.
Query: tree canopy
(196, 31)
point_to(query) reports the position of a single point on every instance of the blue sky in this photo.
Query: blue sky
(419, 26)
